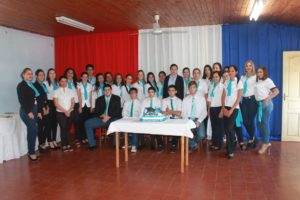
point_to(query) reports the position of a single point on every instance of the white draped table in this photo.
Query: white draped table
(170, 127)
(13, 133)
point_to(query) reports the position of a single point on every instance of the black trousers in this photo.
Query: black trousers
(75, 121)
(52, 122)
(229, 124)
(65, 125)
(239, 134)
(159, 140)
(217, 126)
(43, 129)
(83, 116)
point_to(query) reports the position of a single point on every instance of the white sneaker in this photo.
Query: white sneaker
(123, 147)
(133, 149)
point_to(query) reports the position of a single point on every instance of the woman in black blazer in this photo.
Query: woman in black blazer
(28, 97)
(43, 123)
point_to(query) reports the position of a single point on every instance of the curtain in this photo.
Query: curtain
(186, 46)
(264, 44)
(108, 52)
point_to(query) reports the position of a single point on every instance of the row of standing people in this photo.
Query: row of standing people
(222, 97)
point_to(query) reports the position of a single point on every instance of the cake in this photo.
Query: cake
(153, 115)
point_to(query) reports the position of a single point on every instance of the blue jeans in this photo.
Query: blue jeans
(249, 109)
(199, 134)
(32, 128)
(264, 125)
(93, 123)
(133, 139)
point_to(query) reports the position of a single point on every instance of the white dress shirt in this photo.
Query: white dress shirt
(250, 85)
(160, 89)
(172, 80)
(96, 94)
(50, 90)
(81, 90)
(125, 93)
(263, 88)
(141, 94)
(177, 103)
(201, 109)
(147, 86)
(136, 108)
(216, 100)
(64, 98)
(202, 87)
(235, 87)
(156, 103)
(92, 80)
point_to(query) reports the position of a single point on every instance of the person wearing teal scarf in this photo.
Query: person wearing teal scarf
(161, 75)
(152, 83)
(230, 107)
(265, 90)
(186, 79)
(249, 105)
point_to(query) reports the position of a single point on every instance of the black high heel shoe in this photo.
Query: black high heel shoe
(243, 146)
(33, 159)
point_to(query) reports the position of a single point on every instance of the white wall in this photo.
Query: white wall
(193, 46)
(19, 49)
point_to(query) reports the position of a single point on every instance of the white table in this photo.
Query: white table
(170, 127)
(13, 133)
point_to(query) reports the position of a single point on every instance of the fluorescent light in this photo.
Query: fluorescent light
(74, 23)
(256, 10)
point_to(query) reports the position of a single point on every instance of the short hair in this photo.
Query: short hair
(89, 66)
(107, 86)
(127, 75)
(162, 72)
(172, 86)
(196, 69)
(173, 65)
(186, 68)
(62, 77)
(84, 73)
(133, 89)
(151, 88)
(265, 71)
(24, 71)
(39, 71)
(192, 83)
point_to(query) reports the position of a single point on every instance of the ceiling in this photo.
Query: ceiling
(38, 16)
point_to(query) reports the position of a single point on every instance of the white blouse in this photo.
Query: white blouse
(64, 98)
(89, 88)
(235, 87)
(263, 88)
(250, 85)
(216, 99)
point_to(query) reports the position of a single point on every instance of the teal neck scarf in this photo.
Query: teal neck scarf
(36, 92)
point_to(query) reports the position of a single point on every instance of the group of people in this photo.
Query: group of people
(218, 96)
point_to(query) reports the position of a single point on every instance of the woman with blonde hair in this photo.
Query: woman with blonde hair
(249, 104)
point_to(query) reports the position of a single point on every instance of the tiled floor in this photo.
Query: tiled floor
(92, 175)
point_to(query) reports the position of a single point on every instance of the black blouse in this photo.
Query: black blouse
(42, 100)
(26, 96)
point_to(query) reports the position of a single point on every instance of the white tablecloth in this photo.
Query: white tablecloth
(172, 127)
(13, 133)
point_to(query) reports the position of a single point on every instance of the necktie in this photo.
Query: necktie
(102, 89)
(162, 89)
(172, 105)
(212, 94)
(151, 103)
(70, 85)
(198, 85)
(143, 84)
(260, 111)
(106, 104)
(229, 88)
(239, 119)
(120, 86)
(54, 84)
(34, 89)
(131, 108)
(186, 82)
(128, 87)
(85, 91)
(156, 89)
(193, 111)
(245, 85)
(44, 87)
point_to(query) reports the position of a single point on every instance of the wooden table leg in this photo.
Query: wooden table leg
(182, 155)
(126, 147)
(186, 151)
(117, 151)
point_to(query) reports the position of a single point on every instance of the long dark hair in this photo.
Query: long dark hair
(219, 64)
(149, 74)
(210, 69)
(105, 76)
(97, 84)
(265, 71)
(235, 69)
(48, 78)
(37, 73)
(74, 75)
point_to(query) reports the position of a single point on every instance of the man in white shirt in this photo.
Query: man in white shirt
(132, 109)
(171, 106)
(153, 102)
(194, 108)
(89, 68)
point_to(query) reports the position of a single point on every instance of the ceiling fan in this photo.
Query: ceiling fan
(157, 30)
